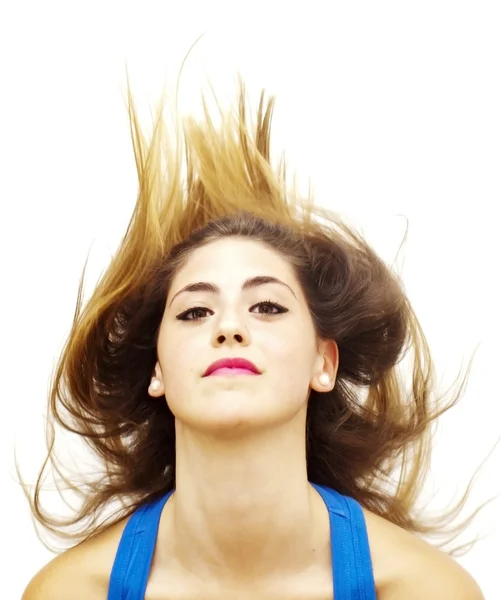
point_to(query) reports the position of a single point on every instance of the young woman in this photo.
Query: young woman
(236, 373)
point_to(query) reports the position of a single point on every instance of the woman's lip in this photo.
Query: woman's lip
(232, 363)
(231, 372)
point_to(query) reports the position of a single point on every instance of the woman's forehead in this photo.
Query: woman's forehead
(234, 264)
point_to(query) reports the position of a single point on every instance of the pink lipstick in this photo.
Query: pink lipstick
(232, 366)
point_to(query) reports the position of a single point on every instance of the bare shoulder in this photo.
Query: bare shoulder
(407, 567)
(82, 572)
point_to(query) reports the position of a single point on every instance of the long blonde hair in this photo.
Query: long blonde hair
(370, 439)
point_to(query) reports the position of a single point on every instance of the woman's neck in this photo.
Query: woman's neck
(244, 507)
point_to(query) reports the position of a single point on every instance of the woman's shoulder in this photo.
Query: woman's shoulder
(405, 566)
(79, 573)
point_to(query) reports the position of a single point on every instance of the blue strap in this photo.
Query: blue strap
(131, 569)
(352, 573)
(351, 560)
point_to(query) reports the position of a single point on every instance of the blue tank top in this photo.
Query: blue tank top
(351, 561)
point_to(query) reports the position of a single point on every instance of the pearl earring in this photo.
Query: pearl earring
(156, 385)
(324, 379)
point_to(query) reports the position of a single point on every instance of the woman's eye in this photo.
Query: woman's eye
(193, 314)
(271, 308)
(197, 313)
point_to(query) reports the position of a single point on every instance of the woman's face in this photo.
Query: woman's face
(267, 323)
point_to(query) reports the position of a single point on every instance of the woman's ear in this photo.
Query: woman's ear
(156, 387)
(326, 366)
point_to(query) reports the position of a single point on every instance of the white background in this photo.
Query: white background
(391, 108)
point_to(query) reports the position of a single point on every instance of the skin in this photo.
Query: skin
(244, 522)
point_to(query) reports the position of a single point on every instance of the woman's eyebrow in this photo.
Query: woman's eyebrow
(252, 282)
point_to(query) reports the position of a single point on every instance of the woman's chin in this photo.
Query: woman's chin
(235, 418)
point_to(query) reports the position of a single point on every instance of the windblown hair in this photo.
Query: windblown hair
(370, 438)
